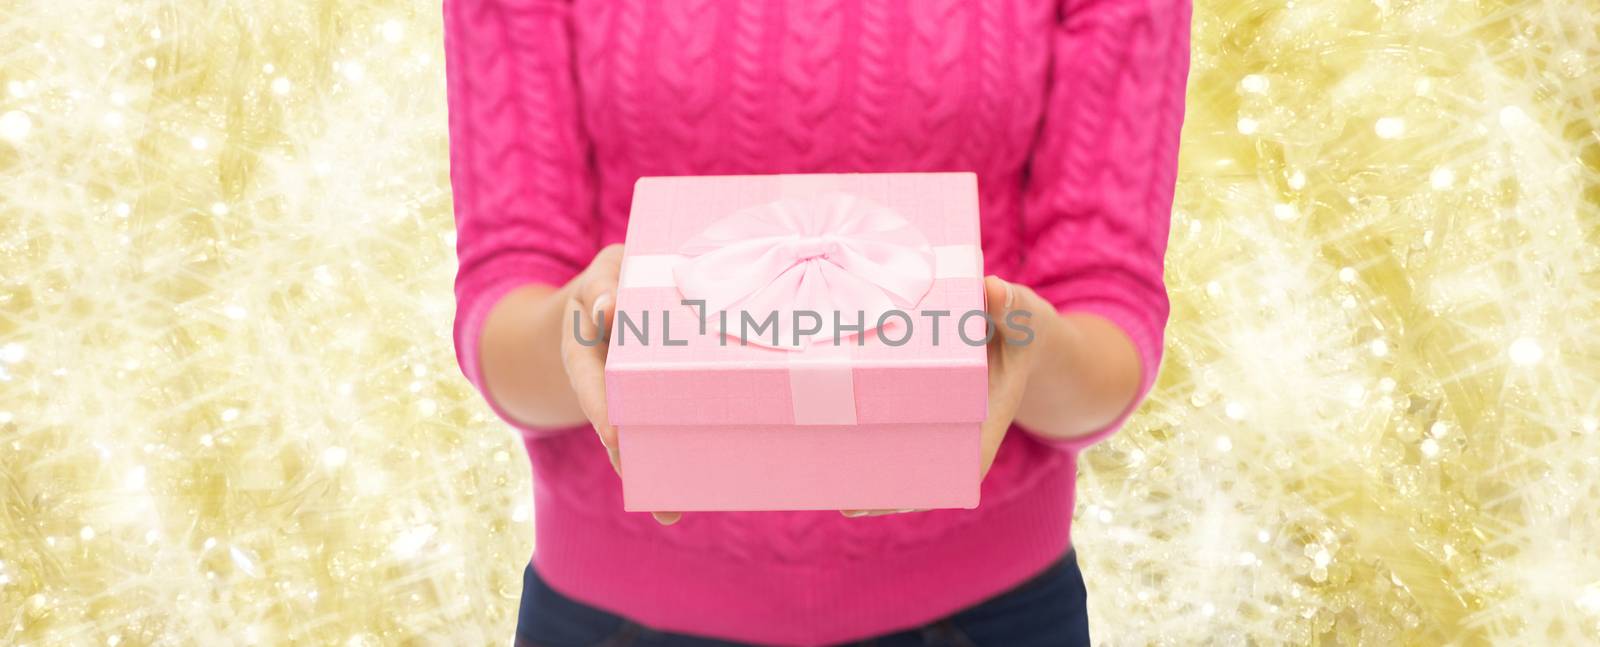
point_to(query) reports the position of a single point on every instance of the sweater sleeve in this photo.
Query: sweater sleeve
(520, 164)
(1098, 200)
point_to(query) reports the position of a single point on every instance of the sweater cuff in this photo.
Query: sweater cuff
(1147, 341)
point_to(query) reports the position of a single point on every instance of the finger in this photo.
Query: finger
(596, 301)
(1012, 309)
(998, 295)
(595, 298)
(999, 301)
(586, 370)
(591, 309)
(667, 518)
(853, 514)
(610, 255)
(992, 435)
(585, 364)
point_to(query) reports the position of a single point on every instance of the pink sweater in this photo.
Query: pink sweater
(1068, 111)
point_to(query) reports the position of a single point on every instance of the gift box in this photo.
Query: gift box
(800, 342)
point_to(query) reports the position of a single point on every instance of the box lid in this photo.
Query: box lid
(786, 254)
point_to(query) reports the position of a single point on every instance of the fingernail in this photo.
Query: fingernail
(1011, 293)
(600, 303)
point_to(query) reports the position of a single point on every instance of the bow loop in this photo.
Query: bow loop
(842, 257)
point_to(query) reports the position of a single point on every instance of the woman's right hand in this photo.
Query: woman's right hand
(590, 310)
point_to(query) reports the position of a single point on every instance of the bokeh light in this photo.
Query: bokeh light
(230, 412)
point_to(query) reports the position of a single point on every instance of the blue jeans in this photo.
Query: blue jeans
(1048, 610)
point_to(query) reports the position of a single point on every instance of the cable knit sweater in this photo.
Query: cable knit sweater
(1068, 111)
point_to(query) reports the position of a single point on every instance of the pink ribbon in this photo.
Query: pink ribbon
(834, 252)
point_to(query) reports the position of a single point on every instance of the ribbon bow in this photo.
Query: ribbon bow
(829, 253)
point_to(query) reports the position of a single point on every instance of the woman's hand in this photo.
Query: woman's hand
(591, 307)
(588, 310)
(1061, 376)
(1013, 354)
(1018, 314)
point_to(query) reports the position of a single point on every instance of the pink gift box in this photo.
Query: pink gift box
(715, 413)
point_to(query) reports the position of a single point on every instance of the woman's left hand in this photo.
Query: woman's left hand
(1013, 353)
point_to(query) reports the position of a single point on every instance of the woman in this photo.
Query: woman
(1069, 112)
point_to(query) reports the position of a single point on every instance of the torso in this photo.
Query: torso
(728, 87)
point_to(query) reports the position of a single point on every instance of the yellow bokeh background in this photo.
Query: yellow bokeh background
(230, 411)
